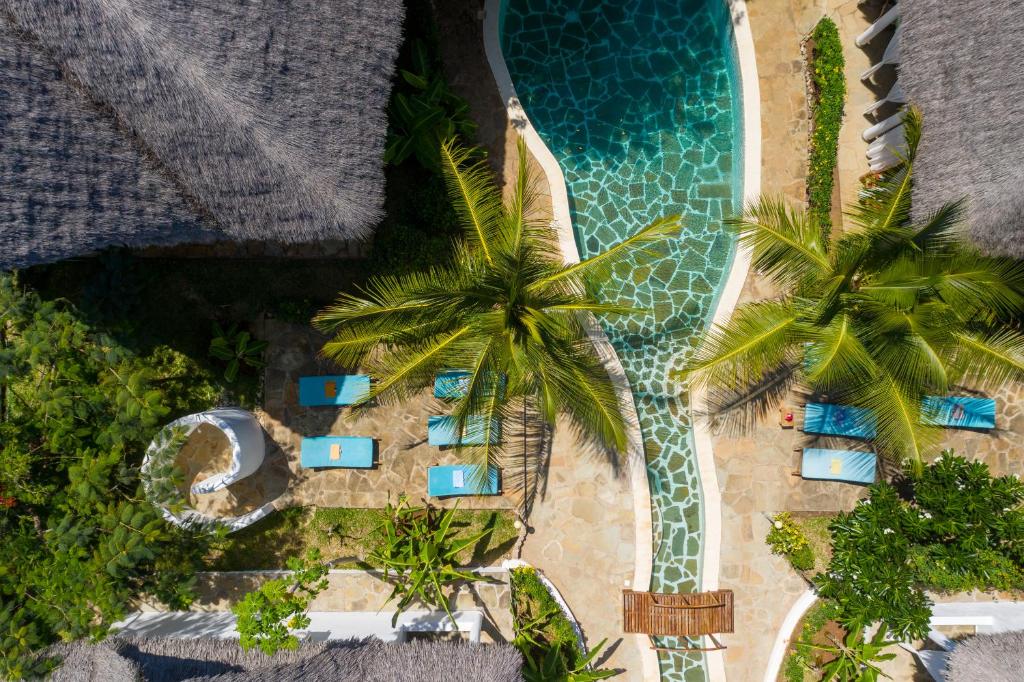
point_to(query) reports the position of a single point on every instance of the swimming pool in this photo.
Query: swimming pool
(638, 101)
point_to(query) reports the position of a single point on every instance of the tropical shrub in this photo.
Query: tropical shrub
(236, 348)
(962, 530)
(424, 112)
(827, 101)
(879, 318)
(507, 309)
(268, 615)
(81, 541)
(786, 539)
(853, 658)
(546, 638)
(800, 659)
(420, 555)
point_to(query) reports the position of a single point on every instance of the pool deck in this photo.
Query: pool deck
(754, 457)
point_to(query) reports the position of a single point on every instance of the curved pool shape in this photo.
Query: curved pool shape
(638, 101)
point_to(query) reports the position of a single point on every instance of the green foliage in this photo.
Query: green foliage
(424, 112)
(81, 542)
(787, 539)
(420, 555)
(879, 318)
(419, 227)
(507, 309)
(827, 103)
(546, 637)
(854, 658)
(268, 616)
(799, 659)
(236, 348)
(962, 530)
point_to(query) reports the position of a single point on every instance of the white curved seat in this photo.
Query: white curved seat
(890, 56)
(883, 22)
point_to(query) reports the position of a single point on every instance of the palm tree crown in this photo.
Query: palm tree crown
(882, 316)
(508, 311)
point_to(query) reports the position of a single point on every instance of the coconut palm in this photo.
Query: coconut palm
(880, 317)
(507, 310)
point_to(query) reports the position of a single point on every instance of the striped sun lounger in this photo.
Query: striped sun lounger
(461, 479)
(839, 420)
(959, 412)
(441, 431)
(850, 466)
(339, 389)
(347, 452)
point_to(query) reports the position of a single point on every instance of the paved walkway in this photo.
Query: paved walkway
(582, 538)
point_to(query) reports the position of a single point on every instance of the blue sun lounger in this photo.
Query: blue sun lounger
(959, 412)
(347, 452)
(839, 420)
(849, 466)
(339, 389)
(461, 479)
(451, 384)
(441, 431)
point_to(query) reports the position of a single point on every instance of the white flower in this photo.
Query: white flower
(778, 524)
(888, 531)
(926, 515)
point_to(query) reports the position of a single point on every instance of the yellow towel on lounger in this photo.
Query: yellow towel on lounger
(837, 466)
(335, 452)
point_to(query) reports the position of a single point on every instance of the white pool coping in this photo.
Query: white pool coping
(562, 222)
(712, 496)
(636, 463)
(785, 634)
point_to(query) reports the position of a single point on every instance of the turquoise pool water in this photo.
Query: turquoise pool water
(638, 102)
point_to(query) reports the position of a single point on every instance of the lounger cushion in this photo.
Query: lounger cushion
(441, 431)
(452, 384)
(340, 389)
(460, 479)
(959, 412)
(839, 420)
(353, 452)
(852, 466)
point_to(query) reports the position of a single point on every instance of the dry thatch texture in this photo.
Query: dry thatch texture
(213, 660)
(992, 658)
(158, 122)
(961, 68)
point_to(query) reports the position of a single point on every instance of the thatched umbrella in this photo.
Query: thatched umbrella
(992, 658)
(960, 66)
(217, 660)
(152, 122)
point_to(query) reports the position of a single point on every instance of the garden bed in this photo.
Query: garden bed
(346, 535)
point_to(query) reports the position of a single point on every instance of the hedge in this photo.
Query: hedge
(828, 98)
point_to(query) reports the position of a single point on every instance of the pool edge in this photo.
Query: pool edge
(643, 563)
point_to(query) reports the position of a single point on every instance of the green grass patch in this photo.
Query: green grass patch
(815, 529)
(827, 101)
(348, 536)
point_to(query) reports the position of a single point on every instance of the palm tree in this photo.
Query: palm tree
(507, 310)
(880, 317)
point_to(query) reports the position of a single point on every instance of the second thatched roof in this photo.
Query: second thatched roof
(153, 122)
(991, 658)
(217, 660)
(961, 67)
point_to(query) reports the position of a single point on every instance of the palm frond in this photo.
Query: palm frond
(991, 359)
(410, 367)
(834, 355)
(760, 338)
(785, 244)
(600, 265)
(897, 412)
(886, 205)
(474, 195)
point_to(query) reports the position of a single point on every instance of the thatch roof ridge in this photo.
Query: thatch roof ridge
(267, 118)
(992, 658)
(960, 67)
(164, 659)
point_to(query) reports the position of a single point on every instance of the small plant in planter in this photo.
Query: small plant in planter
(237, 349)
(785, 538)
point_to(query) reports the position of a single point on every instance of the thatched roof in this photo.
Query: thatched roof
(157, 122)
(992, 658)
(216, 660)
(961, 67)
